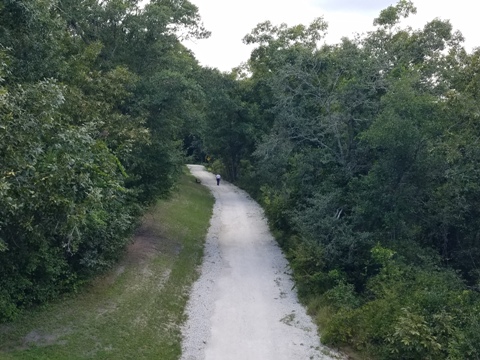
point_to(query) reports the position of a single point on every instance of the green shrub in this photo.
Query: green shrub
(217, 167)
(407, 312)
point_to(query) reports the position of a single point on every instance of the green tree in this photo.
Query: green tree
(228, 132)
(90, 131)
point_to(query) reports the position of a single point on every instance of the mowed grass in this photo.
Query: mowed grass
(135, 311)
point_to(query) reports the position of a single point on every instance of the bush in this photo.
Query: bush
(407, 313)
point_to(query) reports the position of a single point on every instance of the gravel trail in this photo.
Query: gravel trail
(243, 307)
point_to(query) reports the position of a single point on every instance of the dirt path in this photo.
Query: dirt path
(243, 306)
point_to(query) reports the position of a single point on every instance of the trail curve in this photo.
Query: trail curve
(243, 306)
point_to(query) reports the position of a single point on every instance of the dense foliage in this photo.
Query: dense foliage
(365, 158)
(364, 155)
(95, 99)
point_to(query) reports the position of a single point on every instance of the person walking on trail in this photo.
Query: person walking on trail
(218, 179)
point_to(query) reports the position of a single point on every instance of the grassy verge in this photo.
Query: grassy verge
(134, 311)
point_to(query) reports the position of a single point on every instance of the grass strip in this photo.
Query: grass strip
(134, 311)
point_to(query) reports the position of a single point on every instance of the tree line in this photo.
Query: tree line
(96, 98)
(365, 156)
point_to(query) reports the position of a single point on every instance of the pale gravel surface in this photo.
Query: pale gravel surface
(243, 306)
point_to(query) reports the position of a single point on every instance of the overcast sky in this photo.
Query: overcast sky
(230, 21)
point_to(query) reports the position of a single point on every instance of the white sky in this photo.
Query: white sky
(230, 21)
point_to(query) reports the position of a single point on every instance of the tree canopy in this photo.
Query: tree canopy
(95, 100)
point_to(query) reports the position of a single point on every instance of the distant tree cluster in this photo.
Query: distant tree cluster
(95, 100)
(366, 158)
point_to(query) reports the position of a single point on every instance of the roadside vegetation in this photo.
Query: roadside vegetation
(133, 311)
(365, 157)
(96, 98)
